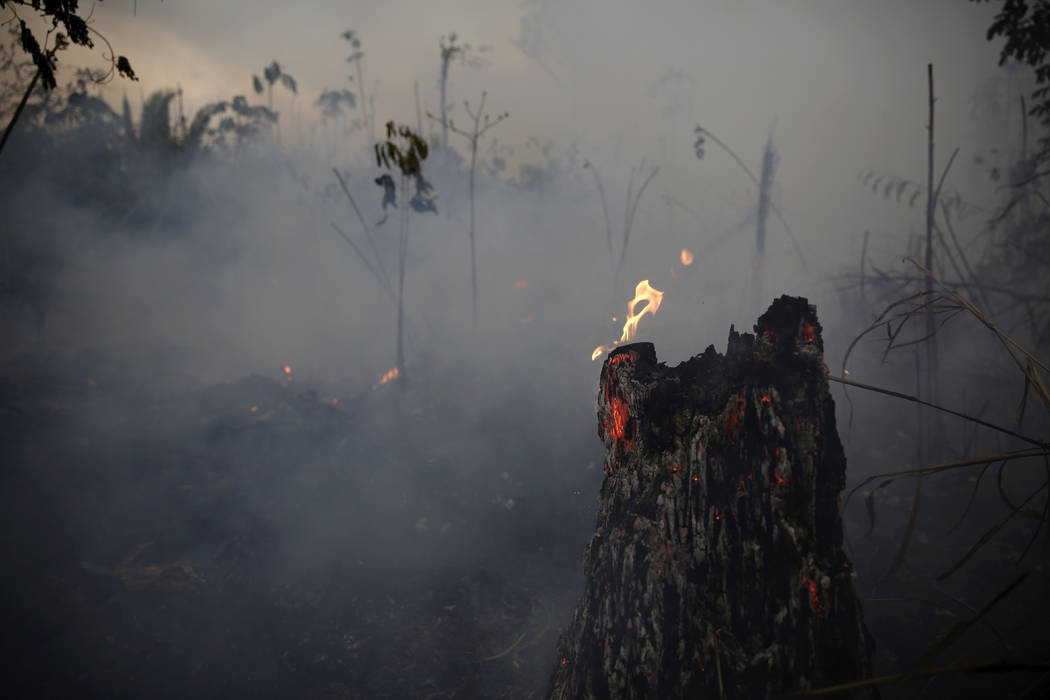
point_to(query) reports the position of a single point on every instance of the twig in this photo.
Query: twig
(908, 397)
(1000, 666)
(511, 648)
(632, 207)
(364, 224)
(605, 208)
(780, 217)
(18, 110)
(360, 254)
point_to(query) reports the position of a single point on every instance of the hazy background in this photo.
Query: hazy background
(839, 87)
(160, 278)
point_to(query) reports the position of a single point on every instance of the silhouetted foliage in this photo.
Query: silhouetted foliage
(273, 74)
(62, 12)
(389, 190)
(905, 191)
(331, 102)
(404, 151)
(1026, 28)
(356, 58)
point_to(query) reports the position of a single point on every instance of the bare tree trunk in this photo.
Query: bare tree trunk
(931, 433)
(473, 254)
(402, 254)
(443, 83)
(716, 568)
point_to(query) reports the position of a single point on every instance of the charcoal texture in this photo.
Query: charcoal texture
(716, 568)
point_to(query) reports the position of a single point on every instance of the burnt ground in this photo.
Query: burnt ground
(275, 538)
(340, 542)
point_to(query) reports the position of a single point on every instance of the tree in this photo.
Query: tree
(482, 123)
(273, 73)
(404, 152)
(367, 106)
(77, 31)
(451, 51)
(1026, 28)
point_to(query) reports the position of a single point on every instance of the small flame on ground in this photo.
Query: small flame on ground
(687, 257)
(387, 376)
(642, 292)
(521, 284)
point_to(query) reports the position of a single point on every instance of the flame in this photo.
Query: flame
(687, 257)
(599, 351)
(253, 409)
(387, 376)
(521, 284)
(642, 292)
(652, 297)
(287, 369)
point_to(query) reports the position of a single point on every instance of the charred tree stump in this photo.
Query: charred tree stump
(716, 569)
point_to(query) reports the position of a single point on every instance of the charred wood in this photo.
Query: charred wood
(716, 568)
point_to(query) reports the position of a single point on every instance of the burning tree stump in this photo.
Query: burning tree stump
(716, 568)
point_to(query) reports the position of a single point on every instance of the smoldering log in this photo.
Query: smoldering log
(716, 568)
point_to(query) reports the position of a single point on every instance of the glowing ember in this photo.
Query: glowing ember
(735, 416)
(642, 292)
(815, 603)
(619, 418)
(687, 257)
(387, 376)
(521, 284)
(287, 369)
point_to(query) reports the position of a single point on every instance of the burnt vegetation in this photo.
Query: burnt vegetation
(247, 450)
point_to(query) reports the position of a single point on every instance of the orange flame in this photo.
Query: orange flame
(687, 257)
(652, 297)
(643, 292)
(387, 376)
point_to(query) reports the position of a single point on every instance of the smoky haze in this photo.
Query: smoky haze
(192, 372)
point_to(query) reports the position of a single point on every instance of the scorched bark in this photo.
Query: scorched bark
(716, 567)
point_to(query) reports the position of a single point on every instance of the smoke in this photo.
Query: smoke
(154, 297)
